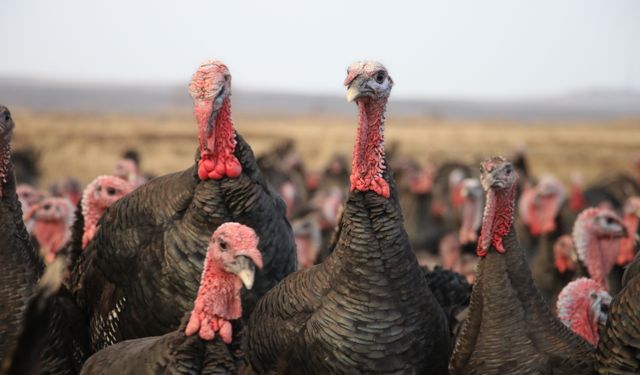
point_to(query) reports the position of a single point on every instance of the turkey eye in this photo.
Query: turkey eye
(380, 77)
(223, 245)
(111, 191)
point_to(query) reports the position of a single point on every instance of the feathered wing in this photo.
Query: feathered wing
(20, 265)
(53, 336)
(279, 320)
(619, 345)
(173, 353)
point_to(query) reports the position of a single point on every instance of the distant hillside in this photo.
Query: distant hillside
(129, 99)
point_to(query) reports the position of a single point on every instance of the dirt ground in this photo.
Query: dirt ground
(85, 146)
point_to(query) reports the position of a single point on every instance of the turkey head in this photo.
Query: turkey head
(597, 234)
(210, 89)
(583, 306)
(540, 205)
(369, 85)
(231, 259)
(53, 218)
(101, 193)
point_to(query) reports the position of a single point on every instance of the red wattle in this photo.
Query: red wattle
(217, 158)
(202, 172)
(234, 169)
(497, 220)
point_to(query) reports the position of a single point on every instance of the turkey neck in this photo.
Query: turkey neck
(5, 160)
(224, 135)
(497, 220)
(368, 152)
(222, 138)
(371, 228)
(219, 291)
(599, 254)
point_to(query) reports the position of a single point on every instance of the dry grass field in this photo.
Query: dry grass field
(85, 146)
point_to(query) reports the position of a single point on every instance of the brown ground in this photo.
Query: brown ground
(85, 146)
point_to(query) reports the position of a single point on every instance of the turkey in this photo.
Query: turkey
(140, 273)
(52, 224)
(597, 234)
(619, 346)
(100, 194)
(367, 308)
(510, 329)
(582, 306)
(20, 266)
(128, 169)
(198, 345)
(28, 196)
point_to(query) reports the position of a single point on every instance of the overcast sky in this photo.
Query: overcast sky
(448, 48)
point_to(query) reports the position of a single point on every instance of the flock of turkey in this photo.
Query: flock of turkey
(200, 271)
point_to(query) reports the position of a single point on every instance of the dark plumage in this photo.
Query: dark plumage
(53, 337)
(510, 329)
(172, 353)
(453, 293)
(619, 346)
(20, 265)
(141, 272)
(198, 345)
(367, 307)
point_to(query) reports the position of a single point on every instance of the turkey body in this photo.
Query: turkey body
(510, 330)
(367, 308)
(172, 353)
(619, 346)
(141, 272)
(20, 266)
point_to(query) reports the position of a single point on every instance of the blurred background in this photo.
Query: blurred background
(559, 80)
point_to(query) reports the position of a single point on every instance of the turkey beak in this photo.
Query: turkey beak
(217, 104)
(358, 88)
(244, 268)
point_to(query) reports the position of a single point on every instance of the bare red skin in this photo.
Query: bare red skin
(562, 254)
(598, 252)
(540, 211)
(220, 161)
(94, 203)
(218, 300)
(306, 253)
(574, 308)
(457, 199)
(468, 228)
(52, 231)
(288, 193)
(422, 181)
(368, 153)
(576, 198)
(450, 252)
(498, 219)
(217, 160)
